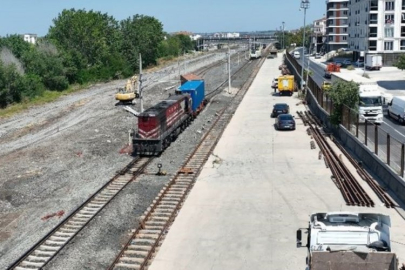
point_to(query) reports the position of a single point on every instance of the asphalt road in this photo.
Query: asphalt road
(391, 126)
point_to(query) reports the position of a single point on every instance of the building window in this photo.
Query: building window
(373, 19)
(403, 4)
(389, 18)
(388, 45)
(374, 5)
(402, 47)
(345, 30)
(389, 5)
(372, 32)
(389, 32)
(344, 38)
(372, 45)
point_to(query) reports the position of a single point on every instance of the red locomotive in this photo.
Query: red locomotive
(161, 124)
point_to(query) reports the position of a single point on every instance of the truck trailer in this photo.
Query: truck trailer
(348, 241)
(373, 62)
(371, 101)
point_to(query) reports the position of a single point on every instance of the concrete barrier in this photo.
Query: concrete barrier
(383, 173)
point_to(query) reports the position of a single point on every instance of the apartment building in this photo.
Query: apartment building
(377, 26)
(337, 16)
(318, 35)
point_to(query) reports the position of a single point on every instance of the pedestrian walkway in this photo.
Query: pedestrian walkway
(250, 198)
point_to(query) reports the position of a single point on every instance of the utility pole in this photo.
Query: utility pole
(305, 6)
(140, 82)
(283, 37)
(229, 70)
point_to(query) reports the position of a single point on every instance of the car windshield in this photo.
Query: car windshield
(370, 101)
(280, 106)
(285, 117)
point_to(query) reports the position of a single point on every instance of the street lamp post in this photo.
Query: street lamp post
(283, 37)
(305, 6)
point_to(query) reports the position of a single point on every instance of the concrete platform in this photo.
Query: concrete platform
(243, 212)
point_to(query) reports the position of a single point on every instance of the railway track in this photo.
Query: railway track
(350, 188)
(49, 246)
(155, 222)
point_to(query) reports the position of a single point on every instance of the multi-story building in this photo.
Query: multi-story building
(31, 38)
(337, 15)
(318, 35)
(377, 26)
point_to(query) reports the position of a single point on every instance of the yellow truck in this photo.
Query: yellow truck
(286, 85)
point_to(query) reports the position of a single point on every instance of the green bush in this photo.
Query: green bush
(32, 86)
(350, 67)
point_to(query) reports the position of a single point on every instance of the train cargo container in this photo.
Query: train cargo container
(196, 89)
(189, 77)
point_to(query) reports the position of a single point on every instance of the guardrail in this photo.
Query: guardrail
(377, 140)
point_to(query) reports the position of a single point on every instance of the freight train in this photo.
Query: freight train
(161, 124)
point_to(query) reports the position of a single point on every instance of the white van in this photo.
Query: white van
(396, 109)
(297, 55)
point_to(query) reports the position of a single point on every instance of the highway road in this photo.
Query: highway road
(396, 130)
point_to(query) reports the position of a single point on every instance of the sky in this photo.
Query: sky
(197, 16)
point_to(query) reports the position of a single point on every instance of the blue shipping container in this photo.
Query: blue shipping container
(197, 91)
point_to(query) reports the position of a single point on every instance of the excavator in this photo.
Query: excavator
(129, 92)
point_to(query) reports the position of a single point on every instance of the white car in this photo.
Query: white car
(297, 55)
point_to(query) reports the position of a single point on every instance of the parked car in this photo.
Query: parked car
(346, 62)
(280, 108)
(359, 63)
(317, 56)
(285, 121)
(339, 63)
(297, 55)
(326, 85)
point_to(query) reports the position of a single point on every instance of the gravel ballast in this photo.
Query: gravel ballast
(53, 157)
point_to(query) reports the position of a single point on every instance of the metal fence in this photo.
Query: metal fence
(377, 140)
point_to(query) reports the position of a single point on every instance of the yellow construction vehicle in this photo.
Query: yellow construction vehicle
(129, 92)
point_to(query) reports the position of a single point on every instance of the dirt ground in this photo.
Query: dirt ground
(53, 157)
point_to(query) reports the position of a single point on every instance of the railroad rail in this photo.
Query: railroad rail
(350, 188)
(47, 248)
(156, 221)
(378, 190)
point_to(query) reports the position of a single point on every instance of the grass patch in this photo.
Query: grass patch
(47, 97)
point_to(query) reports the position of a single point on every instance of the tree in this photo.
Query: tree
(186, 44)
(88, 39)
(343, 93)
(141, 34)
(16, 44)
(401, 62)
